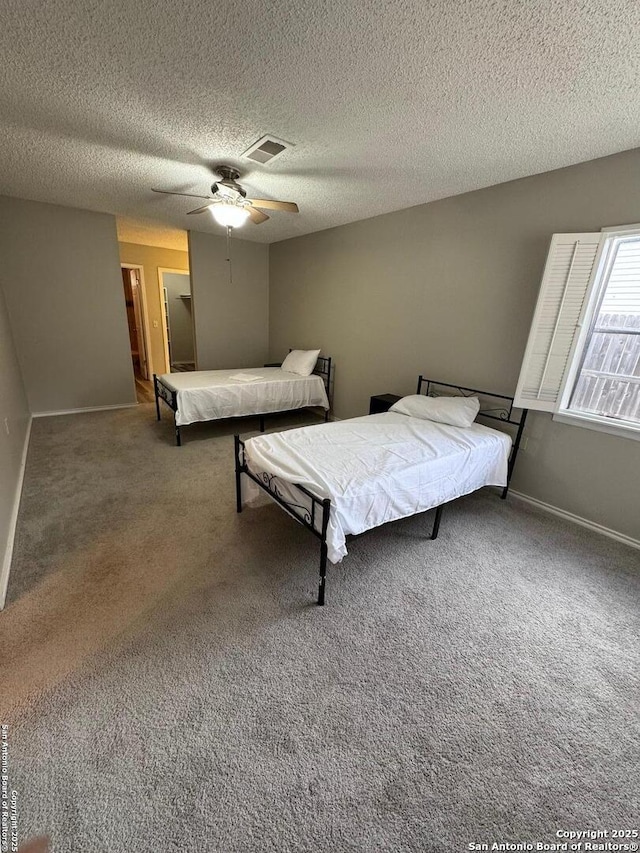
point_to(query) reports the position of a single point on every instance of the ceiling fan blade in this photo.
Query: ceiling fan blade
(190, 195)
(201, 209)
(291, 206)
(256, 216)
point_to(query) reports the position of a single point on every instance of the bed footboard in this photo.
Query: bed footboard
(314, 517)
(170, 397)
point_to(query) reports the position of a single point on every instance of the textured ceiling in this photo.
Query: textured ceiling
(150, 233)
(388, 104)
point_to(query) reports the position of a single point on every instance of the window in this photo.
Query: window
(582, 360)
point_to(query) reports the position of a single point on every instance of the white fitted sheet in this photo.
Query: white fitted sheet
(207, 395)
(377, 468)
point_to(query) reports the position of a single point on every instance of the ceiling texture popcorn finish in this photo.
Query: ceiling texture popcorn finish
(151, 234)
(387, 105)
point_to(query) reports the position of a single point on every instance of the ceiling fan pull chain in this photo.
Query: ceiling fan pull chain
(229, 253)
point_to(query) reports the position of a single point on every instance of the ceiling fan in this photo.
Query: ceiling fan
(229, 203)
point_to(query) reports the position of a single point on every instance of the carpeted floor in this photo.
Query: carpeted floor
(170, 685)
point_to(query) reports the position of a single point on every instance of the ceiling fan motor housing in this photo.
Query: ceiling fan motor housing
(233, 192)
(229, 185)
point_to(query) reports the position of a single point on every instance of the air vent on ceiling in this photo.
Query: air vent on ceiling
(266, 149)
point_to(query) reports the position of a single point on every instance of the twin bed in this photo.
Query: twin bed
(343, 478)
(340, 479)
(207, 395)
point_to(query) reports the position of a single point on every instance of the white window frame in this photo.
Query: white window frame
(599, 280)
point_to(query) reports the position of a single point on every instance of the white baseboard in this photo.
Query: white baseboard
(577, 519)
(6, 562)
(80, 411)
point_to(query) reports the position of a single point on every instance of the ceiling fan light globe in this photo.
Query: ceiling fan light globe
(229, 215)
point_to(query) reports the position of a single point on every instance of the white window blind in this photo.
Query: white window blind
(622, 295)
(565, 281)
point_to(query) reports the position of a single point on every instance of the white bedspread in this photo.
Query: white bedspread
(206, 395)
(378, 468)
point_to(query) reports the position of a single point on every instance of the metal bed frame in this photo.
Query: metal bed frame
(499, 407)
(170, 397)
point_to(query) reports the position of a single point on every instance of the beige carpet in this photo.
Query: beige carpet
(170, 685)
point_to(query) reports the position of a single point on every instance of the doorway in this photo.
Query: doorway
(135, 302)
(177, 307)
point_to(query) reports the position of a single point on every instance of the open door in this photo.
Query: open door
(136, 321)
(136, 290)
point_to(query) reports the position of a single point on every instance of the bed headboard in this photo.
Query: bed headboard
(497, 407)
(323, 370)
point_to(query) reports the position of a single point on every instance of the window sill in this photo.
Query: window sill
(599, 424)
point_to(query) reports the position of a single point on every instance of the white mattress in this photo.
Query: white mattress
(377, 468)
(206, 395)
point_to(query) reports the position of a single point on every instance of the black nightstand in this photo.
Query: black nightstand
(382, 403)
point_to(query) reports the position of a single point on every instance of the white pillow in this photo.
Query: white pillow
(457, 411)
(301, 361)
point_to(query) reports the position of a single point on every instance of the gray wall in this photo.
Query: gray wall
(14, 414)
(448, 289)
(231, 318)
(61, 276)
